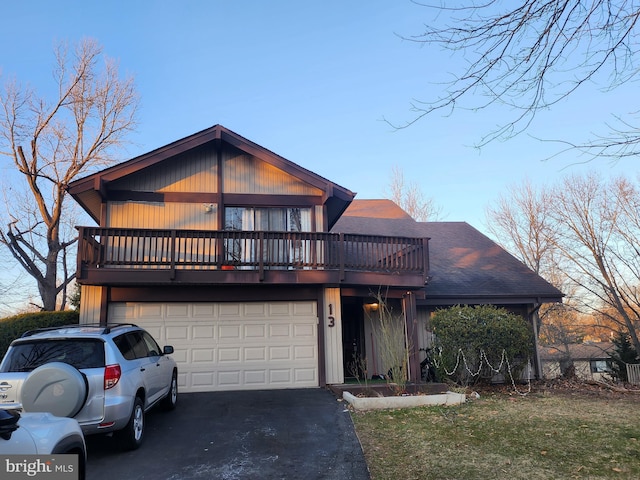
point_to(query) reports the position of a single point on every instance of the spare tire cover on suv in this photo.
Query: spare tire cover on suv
(57, 388)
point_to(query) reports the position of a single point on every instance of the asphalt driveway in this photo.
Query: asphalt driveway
(279, 434)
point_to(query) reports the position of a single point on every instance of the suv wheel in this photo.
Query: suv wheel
(131, 436)
(169, 402)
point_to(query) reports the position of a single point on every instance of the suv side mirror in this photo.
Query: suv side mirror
(167, 350)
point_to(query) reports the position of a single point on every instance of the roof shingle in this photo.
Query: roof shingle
(464, 263)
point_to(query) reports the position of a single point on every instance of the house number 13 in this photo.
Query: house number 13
(332, 320)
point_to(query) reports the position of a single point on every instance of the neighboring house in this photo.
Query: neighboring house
(263, 274)
(590, 361)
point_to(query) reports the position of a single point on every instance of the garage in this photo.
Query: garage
(234, 345)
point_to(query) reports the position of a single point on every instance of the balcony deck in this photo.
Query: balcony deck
(125, 256)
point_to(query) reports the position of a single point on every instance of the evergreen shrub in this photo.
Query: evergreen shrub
(13, 327)
(471, 339)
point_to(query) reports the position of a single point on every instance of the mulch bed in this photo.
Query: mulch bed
(558, 386)
(565, 386)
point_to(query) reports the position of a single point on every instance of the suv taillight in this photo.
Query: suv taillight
(111, 376)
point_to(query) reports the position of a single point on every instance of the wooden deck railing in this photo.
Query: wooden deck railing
(127, 248)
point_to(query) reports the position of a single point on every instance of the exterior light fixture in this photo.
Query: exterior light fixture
(371, 307)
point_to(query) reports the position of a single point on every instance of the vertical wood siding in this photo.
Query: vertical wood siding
(90, 304)
(247, 174)
(334, 371)
(188, 216)
(194, 171)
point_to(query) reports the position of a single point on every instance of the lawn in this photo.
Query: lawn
(502, 436)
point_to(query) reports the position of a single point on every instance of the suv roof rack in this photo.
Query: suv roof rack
(105, 329)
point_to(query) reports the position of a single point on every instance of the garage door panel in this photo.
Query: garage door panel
(199, 381)
(280, 353)
(305, 375)
(202, 332)
(205, 310)
(254, 310)
(280, 330)
(304, 331)
(201, 355)
(180, 355)
(227, 355)
(304, 353)
(257, 331)
(178, 333)
(157, 332)
(280, 376)
(229, 378)
(255, 378)
(233, 346)
(255, 354)
(304, 309)
(150, 310)
(226, 332)
(178, 310)
(230, 310)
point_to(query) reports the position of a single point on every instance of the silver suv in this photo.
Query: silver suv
(106, 378)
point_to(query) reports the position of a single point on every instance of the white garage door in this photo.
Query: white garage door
(233, 346)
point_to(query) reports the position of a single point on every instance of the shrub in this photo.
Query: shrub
(623, 353)
(469, 340)
(13, 327)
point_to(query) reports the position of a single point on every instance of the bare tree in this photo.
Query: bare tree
(602, 258)
(530, 54)
(51, 143)
(595, 242)
(411, 199)
(521, 221)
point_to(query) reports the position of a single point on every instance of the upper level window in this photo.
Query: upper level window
(268, 219)
(280, 251)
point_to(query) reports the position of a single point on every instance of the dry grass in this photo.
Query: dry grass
(500, 436)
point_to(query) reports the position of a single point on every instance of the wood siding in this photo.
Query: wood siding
(332, 324)
(197, 171)
(90, 304)
(194, 171)
(188, 216)
(247, 174)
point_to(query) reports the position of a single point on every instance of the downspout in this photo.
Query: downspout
(533, 318)
(220, 244)
(105, 290)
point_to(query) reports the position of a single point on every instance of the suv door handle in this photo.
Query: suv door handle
(142, 369)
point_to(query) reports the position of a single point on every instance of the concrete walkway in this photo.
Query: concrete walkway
(279, 434)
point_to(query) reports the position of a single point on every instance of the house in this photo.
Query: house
(588, 361)
(263, 274)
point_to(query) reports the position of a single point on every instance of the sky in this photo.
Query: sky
(321, 83)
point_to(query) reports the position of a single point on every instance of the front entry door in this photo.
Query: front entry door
(353, 338)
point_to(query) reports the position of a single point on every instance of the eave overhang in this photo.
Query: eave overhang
(450, 300)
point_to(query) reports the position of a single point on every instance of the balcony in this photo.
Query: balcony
(123, 256)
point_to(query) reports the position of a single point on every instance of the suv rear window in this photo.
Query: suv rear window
(81, 353)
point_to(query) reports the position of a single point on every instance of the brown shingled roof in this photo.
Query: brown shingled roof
(465, 265)
(577, 351)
